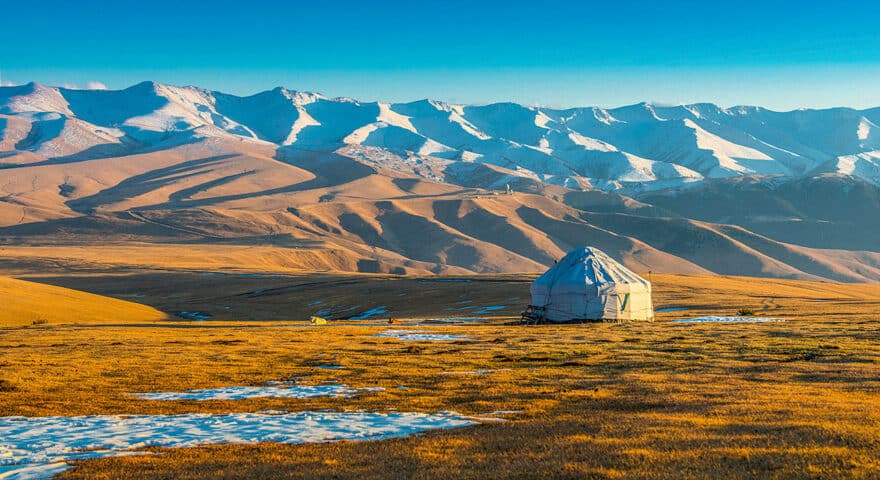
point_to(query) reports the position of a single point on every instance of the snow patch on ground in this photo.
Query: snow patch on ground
(360, 135)
(713, 319)
(456, 115)
(432, 147)
(489, 309)
(197, 316)
(591, 143)
(418, 335)
(389, 116)
(731, 156)
(542, 120)
(863, 165)
(452, 320)
(864, 129)
(303, 121)
(271, 391)
(36, 447)
(467, 156)
(31, 471)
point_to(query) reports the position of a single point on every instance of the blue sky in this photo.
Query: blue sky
(780, 54)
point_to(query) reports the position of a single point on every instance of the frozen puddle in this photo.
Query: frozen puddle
(36, 447)
(197, 316)
(713, 319)
(274, 391)
(489, 309)
(418, 335)
(452, 320)
(671, 309)
(471, 372)
(476, 309)
(30, 471)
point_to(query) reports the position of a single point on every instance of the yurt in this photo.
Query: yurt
(588, 285)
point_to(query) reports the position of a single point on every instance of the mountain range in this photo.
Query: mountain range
(428, 186)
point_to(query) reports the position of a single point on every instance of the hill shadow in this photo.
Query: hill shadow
(330, 169)
(143, 183)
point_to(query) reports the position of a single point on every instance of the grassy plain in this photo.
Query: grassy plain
(794, 399)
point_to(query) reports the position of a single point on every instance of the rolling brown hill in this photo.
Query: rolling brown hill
(217, 203)
(29, 303)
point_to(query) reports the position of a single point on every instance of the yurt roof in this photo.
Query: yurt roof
(590, 266)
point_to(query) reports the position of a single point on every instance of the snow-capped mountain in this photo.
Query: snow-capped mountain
(635, 148)
(337, 184)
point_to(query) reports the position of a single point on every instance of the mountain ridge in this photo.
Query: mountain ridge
(628, 148)
(428, 186)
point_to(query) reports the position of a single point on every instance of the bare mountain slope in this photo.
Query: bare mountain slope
(825, 211)
(336, 184)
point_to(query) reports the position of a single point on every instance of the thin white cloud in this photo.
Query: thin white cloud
(95, 86)
(6, 83)
(92, 85)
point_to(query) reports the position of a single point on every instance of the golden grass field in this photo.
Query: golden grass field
(795, 399)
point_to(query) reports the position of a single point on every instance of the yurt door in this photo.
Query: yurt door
(623, 302)
(612, 307)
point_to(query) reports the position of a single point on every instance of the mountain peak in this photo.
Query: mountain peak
(645, 144)
(145, 86)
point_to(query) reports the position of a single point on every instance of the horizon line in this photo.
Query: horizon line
(652, 103)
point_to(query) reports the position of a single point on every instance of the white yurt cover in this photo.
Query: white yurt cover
(587, 284)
